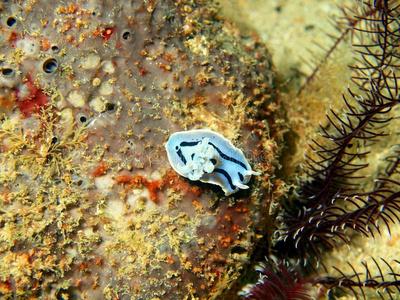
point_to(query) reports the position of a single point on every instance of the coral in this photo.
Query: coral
(347, 194)
(278, 282)
(336, 194)
(384, 280)
(90, 91)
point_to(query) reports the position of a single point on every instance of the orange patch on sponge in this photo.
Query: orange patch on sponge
(139, 181)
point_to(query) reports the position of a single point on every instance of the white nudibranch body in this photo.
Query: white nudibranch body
(208, 156)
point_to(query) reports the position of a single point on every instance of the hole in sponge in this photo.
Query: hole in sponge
(7, 72)
(11, 21)
(126, 35)
(50, 65)
(110, 107)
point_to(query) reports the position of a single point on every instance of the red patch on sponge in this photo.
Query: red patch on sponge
(33, 101)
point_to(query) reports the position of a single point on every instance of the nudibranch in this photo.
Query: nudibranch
(208, 156)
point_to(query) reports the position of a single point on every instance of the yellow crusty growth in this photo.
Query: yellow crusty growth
(46, 151)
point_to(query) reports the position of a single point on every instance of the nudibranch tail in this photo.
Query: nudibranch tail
(251, 172)
(242, 186)
(208, 156)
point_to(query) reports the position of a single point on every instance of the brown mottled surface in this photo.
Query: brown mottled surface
(90, 92)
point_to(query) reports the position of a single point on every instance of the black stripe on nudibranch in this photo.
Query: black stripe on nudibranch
(224, 156)
(228, 177)
(240, 176)
(180, 154)
(188, 144)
